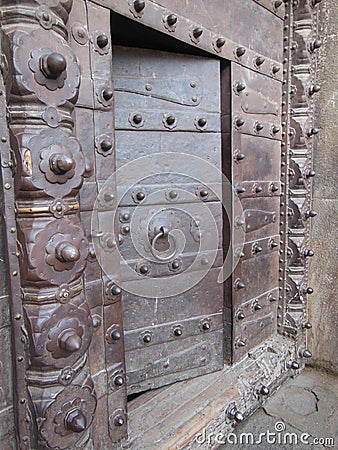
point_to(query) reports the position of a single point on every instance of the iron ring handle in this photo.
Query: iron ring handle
(163, 232)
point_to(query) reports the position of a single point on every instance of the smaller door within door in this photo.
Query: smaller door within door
(167, 112)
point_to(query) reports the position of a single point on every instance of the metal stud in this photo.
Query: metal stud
(278, 3)
(240, 87)
(259, 60)
(147, 338)
(306, 354)
(239, 122)
(258, 189)
(309, 290)
(313, 89)
(307, 325)
(310, 213)
(125, 216)
(315, 44)
(240, 156)
(240, 285)
(235, 414)
(241, 343)
(106, 145)
(275, 69)
(115, 290)
(119, 421)
(173, 194)
(241, 315)
(76, 421)
(257, 307)
(308, 253)
(144, 269)
(107, 94)
(203, 193)
(102, 40)
(264, 390)
(197, 32)
(257, 248)
(259, 126)
(170, 120)
(240, 190)
(171, 20)
(139, 5)
(310, 174)
(53, 65)
(116, 335)
(275, 129)
(175, 264)
(274, 188)
(312, 131)
(137, 119)
(178, 332)
(206, 326)
(220, 42)
(140, 196)
(119, 381)
(240, 51)
(294, 365)
(202, 122)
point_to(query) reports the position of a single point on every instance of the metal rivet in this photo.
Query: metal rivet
(203, 193)
(147, 338)
(310, 173)
(306, 354)
(140, 196)
(307, 325)
(118, 380)
(125, 229)
(278, 3)
(178, 332)
(102, 40)
(240, 315)
(259, 60)
(275, 69)
(171, 19)
(240, 51)
(173, 194)
(258, 189)
(259, 126)
(309, 290)
(240, 285)
(116, 335)
(240, 87)
(274, 188)
(197, 32)
(7, 186)
(240, 190)
(14, 273)
(309, 253)
(312, 131)
(315, 44)
(3, 139)
(139, 5)
(310, 213)
(115, 290)
(275, 129)
(126, 216)
(220, 42)
(239, 122)
(240, 156)
(313, 89)
(137, 119)
(106, 145)
(202, 122)
(107, 94)
(175, 264)
(206, 326)
(264, 390)
(241, 343)
(119, 421)
(257, 307)
(53, 65)
(144, 269)
(170, 120)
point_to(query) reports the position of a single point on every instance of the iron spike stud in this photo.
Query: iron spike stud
(313, 89)
(240, 51)
(139, 5)
(240, 285)
(306, 353)
(220, 42)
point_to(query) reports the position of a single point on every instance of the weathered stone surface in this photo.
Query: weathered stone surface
(323, 311)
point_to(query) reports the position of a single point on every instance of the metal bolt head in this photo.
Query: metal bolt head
(258, 189)
(206, 326)
(53, 65)
(144, 269)
(220, 42)
(204, 193)
(239, 122)
(259, 60)
(240, 156)
(175, 264)
(76, 421)
(241, 315)
(119, 421)
(106, 145)
(240, 87)
(311, 174)
(170, 120)
(259, 126)
(202, 122)
(115, 290)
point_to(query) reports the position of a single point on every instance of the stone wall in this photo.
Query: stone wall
(323, 311)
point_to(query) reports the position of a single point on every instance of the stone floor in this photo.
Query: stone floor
(302, 415)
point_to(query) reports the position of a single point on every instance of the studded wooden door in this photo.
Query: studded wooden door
(168, 139)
